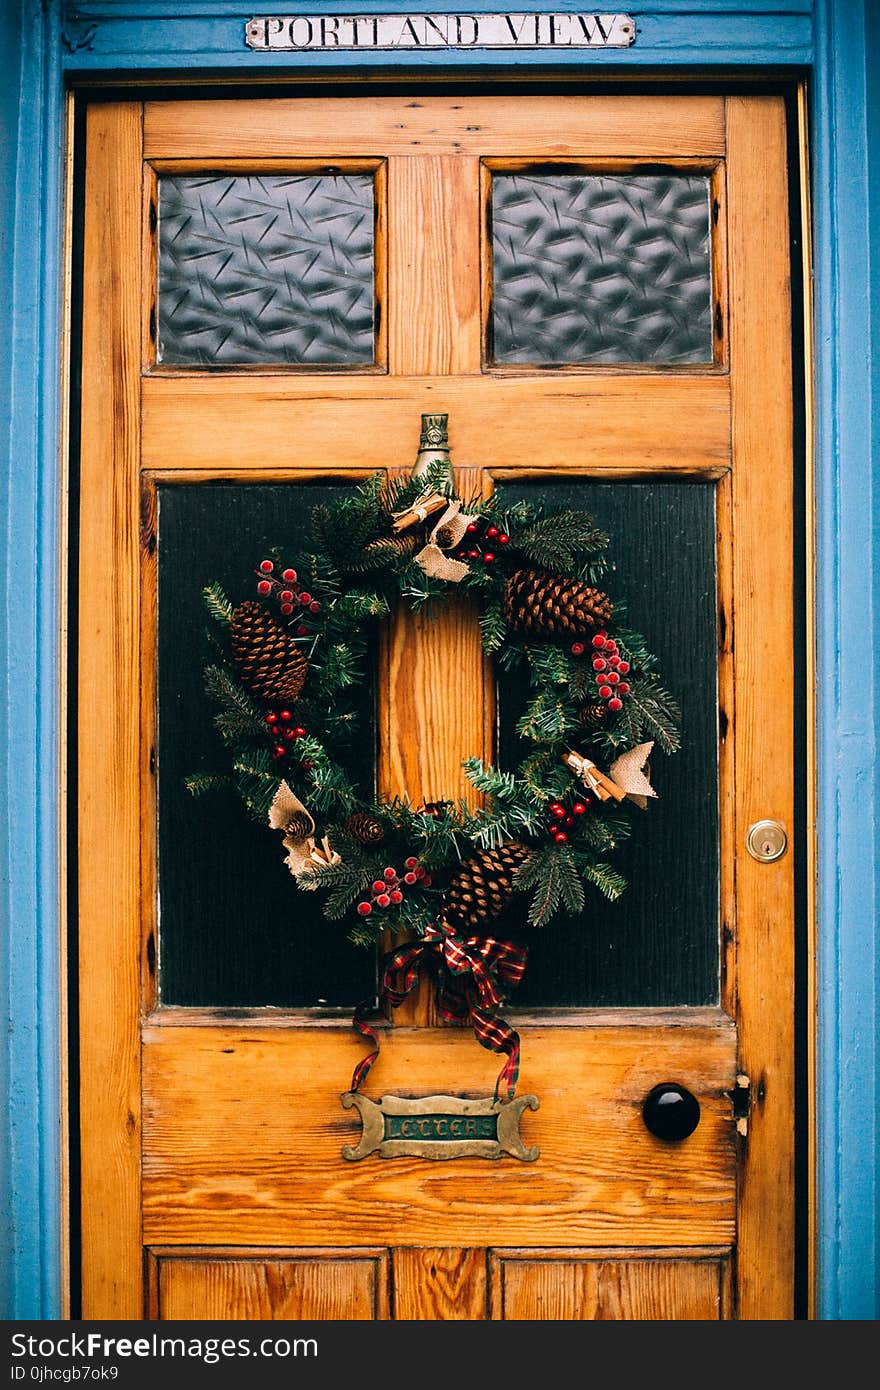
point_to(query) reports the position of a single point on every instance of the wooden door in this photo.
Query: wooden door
(211, 1127)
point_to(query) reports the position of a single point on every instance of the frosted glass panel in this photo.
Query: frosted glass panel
(266, 269)
(601, 268)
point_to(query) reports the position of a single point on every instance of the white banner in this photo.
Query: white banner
(303, 33)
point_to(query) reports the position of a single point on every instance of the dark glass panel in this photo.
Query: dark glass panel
(600, 268)
(266, 269)
(658, 944)
(234, 928)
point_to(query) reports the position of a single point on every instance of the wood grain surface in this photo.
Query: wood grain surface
(760, 336)
(434, 259)
(289, 1285)
(636, 126)
(244, 1128)
(440, 1284)
(552, 422)
(612, 1285)
(109, 749)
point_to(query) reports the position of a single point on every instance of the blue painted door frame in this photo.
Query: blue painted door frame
(836, 43)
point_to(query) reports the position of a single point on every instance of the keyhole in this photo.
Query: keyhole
(767, 841)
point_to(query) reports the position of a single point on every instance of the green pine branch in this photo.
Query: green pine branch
(551, 665)
(330, 787)
(650, 712)
(559, 542)
(217, 604)
(344, 882)
(239, 715)
(493, 627)
(606, 879)
(500, 786)
(554, 877)
(256, 780)
(548, 718)
(201, 782)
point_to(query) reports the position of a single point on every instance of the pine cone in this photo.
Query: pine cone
(483, 886)
(444, 537)
(269, 662)
(593, 716)
(392, 547)
(365, 828)
(299, 826)
(538, 604)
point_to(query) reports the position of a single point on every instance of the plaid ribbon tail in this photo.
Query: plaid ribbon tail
(400, 976)
(358, 1022)
(492, 1032)
(475, 968)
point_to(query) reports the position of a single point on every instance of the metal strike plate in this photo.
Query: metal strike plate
(440, 1127)
(767, 841)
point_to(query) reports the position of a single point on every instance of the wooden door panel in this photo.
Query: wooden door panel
(443, 1283)
(244, 1128)
(532, 1285)
(291, 1285)
(584, 421)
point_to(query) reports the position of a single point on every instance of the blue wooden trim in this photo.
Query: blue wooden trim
(127, 36)
(847, 278)
(30, 968)
(108, 33)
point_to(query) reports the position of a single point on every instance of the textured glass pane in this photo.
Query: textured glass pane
(601, 268)
(268, 268)
(234, 930)
(657, 945)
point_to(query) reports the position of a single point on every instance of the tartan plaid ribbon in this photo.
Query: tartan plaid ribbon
(475, 974)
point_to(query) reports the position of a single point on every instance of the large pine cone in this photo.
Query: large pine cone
(538, 604)
(483, 886)
(268, 660)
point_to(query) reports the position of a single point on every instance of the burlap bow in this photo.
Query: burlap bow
(630, 771)
(453, 524)
(288, 813)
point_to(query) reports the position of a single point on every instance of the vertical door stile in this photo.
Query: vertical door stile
(109, 846)
(432, 703)
(761, 422)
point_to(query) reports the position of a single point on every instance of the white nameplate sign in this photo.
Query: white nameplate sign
(329, 32)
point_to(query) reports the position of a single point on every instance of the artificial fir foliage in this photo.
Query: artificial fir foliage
(288, 653)
(299, 643)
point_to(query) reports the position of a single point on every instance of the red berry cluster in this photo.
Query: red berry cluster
(293, 601)
(562, 818)
(610, 668)
(388, 890)
(283, 731)
(480, 542)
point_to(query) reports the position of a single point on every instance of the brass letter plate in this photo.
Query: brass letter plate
(440, 1127)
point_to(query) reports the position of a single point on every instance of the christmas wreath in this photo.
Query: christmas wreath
(447, 876)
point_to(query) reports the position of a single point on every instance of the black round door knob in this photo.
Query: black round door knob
(671, 1112)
